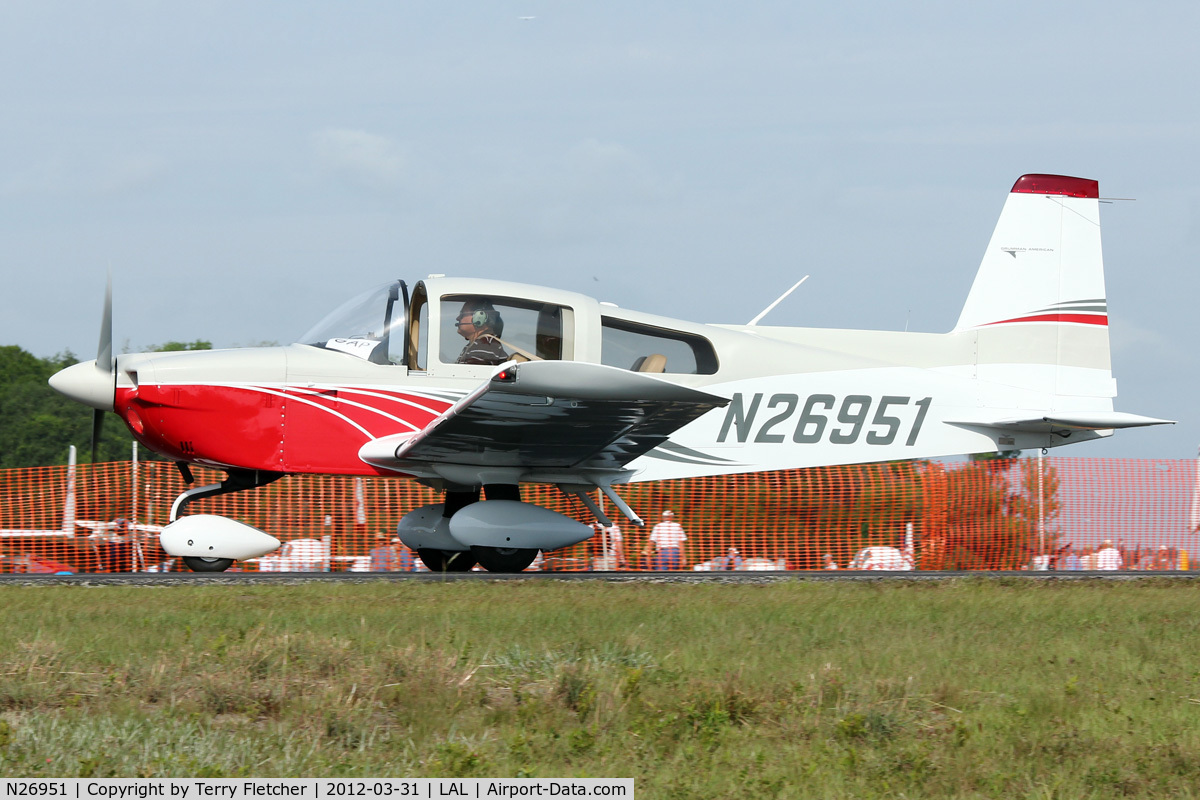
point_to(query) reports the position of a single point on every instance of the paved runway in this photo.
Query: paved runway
(271, 578)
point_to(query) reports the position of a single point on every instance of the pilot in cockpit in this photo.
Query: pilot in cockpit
(481, 325)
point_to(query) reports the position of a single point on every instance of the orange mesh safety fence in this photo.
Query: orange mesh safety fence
(1029, 513)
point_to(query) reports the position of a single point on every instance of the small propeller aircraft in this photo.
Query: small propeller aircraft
(554, 387)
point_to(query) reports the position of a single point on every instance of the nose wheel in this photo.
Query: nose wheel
(196, 564)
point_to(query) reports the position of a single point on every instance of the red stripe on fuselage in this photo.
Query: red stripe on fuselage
(284, 429)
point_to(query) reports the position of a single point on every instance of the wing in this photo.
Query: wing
(554, 415)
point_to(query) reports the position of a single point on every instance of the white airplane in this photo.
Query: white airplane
(554, 387)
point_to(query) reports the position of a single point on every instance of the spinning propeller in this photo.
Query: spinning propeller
(93, 383)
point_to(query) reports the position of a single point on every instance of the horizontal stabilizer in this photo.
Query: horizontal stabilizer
(1075, 421)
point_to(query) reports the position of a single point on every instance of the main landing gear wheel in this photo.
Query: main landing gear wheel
(447, 560)
(504, 559)
(197, 564)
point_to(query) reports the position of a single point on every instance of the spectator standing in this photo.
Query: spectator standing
(829, 563)
(1109, 557)
(666, 544)
(1069, 560)
(406, 560)
(116, 549)
(1162, 559)
(732, 560)
(383, 554)
(612, 547)
(1088, 559)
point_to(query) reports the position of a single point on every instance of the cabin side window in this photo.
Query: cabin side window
(643, 348)
(484, 329)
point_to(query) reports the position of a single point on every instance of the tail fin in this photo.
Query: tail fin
(1044, 262)
(1038, 304)
(1039, 317)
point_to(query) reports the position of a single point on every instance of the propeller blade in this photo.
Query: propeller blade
(104, 360)
(93, 383)
(104, 363)
(97, 429)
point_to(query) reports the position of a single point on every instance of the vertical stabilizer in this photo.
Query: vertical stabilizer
(1038, 302)
(1044, 262)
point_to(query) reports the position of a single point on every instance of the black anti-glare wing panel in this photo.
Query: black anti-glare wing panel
(558, 415)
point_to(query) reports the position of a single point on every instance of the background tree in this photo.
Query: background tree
(1033, 516)
(38, 425)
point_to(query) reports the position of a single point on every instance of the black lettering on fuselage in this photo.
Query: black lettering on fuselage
(741, 419)
(823, 417)
(789, 403)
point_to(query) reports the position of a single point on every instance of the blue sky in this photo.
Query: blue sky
(243, 167)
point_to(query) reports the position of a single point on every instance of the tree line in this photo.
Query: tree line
(38, 425)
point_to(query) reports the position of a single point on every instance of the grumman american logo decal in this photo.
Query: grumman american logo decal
(1079, 312)
(1012, 251)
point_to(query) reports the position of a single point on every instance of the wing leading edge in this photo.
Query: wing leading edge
(549, 415)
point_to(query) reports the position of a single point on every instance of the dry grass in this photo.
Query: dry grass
(964, 689)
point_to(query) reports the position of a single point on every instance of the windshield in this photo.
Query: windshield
(369, 326)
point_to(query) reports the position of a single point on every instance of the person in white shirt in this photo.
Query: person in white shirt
(666, 544)
(1109, 557)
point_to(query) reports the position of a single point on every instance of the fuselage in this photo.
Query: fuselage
(798, 397)
(480, 385)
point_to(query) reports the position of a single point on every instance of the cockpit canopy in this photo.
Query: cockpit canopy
(369, 326)
(524, 323)
(372, 326)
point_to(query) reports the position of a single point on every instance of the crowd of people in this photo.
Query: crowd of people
(1109, 556)
(666, 548)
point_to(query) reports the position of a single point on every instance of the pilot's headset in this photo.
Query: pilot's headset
(486, 316)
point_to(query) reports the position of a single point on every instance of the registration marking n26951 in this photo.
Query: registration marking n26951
(823, 417)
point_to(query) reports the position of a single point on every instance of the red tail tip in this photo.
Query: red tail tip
(1057, 184)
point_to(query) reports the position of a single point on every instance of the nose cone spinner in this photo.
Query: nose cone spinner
(87, 383)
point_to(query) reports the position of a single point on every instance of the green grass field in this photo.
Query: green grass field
(970, 688)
